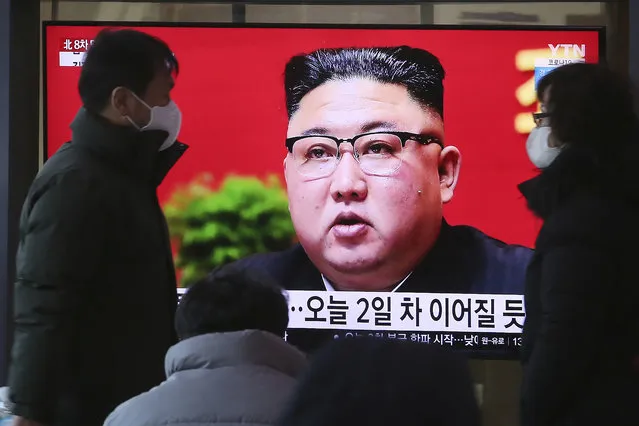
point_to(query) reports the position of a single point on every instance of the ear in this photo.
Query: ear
(449, 165)
(287, 169)
(286, 177)
(119, 101)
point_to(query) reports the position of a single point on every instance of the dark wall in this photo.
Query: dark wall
(4, 176)
(19, 139)
(633, 57)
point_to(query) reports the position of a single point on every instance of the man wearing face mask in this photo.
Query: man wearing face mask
(96, 291)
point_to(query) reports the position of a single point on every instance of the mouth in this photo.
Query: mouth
(349, 227)
(349, 219)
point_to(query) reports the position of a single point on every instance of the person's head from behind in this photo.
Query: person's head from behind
(367, 170)
(231, 299)
(584, 106)
(383, 382)
(127, 77)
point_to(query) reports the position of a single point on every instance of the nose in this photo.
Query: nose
(348, 182)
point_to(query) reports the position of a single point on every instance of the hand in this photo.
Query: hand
(21, 421)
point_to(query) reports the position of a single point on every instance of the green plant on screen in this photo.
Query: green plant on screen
(211, 227)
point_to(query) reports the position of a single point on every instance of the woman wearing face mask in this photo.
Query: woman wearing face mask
(581, 336)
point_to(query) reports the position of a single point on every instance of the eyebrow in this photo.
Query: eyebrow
(364, 128)
(315, 131)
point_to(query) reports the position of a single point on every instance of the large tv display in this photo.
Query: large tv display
(358, 242)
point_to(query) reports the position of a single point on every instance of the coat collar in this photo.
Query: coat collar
(126, 148)
(575, 171)
(248, 347)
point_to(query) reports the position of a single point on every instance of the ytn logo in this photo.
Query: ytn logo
(566, 50)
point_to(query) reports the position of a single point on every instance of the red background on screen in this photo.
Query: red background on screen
(230, 90)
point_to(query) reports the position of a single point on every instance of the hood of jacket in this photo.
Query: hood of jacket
(247, 347)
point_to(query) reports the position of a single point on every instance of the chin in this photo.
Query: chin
(351, 261)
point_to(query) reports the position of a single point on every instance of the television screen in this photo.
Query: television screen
(402, 196)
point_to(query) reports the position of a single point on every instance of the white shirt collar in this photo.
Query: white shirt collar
(329, 286)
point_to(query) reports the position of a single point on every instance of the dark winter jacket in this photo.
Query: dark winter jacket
(95, 294)
(224, 379)
(582, 295)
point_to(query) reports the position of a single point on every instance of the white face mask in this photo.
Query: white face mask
(167, 118)
(539, 153)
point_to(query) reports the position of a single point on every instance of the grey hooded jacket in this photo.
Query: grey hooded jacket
(223, 379)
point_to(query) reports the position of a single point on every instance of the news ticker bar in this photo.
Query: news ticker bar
(428, 312)
(472, 342)
(406, 312)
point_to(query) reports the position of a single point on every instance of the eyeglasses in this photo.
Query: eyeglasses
(541, 118)
(378, 153)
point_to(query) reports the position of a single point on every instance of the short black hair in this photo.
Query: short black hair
(418, 70)
(590, 104)
(127, 58)
(232, 299)
(377, 382)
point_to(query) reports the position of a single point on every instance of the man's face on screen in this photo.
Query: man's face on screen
(367, 231)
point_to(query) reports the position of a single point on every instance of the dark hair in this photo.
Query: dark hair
(416, 69)
(125, 58)
(383, 382)
(232, 299)
(590, 105)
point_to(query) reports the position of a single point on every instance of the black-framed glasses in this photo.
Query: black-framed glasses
(541, 118)
(378, 153)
